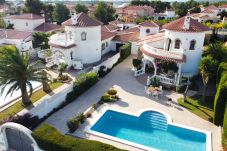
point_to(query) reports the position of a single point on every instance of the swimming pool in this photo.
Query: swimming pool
(150, 130)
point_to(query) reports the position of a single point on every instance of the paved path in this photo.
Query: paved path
(133, 100)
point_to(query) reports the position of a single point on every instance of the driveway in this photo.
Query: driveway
(133, 99)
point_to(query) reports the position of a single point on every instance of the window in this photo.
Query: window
(26, 23)
(192, 45)
(71, 55)
(103, 46)
(177, 44)
(83, 36)
(106, 44)
(148, 31)
(70, 35)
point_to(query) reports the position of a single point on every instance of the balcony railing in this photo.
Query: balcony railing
(160, 52)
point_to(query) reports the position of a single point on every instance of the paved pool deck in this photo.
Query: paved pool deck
(133, 99)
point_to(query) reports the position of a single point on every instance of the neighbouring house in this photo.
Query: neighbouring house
(24, 22)
(21, 39)
(222, 8)
(4, 8)
(181, 43)
(30, 22)
(168, 14)
(139, 11)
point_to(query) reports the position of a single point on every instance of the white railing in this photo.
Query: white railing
(162, 79)
(139, 72)
(161, 52)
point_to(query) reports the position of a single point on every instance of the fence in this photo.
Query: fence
(108, 63)
(49, 102)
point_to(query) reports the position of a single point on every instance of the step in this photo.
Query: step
(154, 117)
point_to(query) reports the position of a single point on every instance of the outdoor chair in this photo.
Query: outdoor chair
(147, 91)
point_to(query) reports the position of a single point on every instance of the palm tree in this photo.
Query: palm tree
(208, 68)
(62, 68)
(17, 72)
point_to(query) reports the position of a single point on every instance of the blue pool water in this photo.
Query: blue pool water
(150, 129)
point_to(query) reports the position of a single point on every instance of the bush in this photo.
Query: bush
(112, 91)
(81, 118)
(49, 139)
(155, 82)
(26, 120)
(73, 124)
(136, 63)
(181, 88)
(102, 71)
(220, 101)
(224, 134)
(125, 51)
(109, 98)
(82, 83)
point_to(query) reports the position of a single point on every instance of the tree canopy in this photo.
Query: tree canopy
(33, 6)
(104, 12)
(61, 13)
(81, 8)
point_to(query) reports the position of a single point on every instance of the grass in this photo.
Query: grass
(17, 107)
(49, 139)
(203, 110)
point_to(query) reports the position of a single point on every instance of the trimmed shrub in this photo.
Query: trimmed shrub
(136, 63)
(82, 83)
(73, 124)
(125, 51)
(49, 139)
(221, 70)
(102, 71)
(224, 134)
(112, 91)
(220, 101)
(106, 98)
(81, 118)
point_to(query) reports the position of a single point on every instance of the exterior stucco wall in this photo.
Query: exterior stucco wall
(20, 24)
(108, 47)
(143, 33)
(192, 56)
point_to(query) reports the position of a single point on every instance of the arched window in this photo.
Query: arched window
(148, 31)
(192, 45)
(177, 44)
(83, 36)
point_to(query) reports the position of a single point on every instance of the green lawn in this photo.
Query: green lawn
(17, 107)
(203, 110)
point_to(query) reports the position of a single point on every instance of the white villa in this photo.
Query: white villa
(180, 42)
(86, 40)
(168, 14)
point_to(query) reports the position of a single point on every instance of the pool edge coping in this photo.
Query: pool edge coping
(137, 114)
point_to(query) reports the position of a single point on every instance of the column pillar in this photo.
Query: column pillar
(179, 74)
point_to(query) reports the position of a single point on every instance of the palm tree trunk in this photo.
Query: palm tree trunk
(204, 93)
(46, 87)
(24, 94)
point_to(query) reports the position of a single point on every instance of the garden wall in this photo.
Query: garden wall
(48, 103)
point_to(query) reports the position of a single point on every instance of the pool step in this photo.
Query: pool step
(154, 120)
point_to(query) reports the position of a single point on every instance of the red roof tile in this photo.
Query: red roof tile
(83, 20)
(212, 7)
(28, 16)
(149, 24)
(178, 25)
(110, 28)
(209, 11)
(46, 27)
(14, 34)
(223, 6)
(138, 7)
(105, 35)
(127, 37)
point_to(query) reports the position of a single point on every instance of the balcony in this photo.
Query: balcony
(160, 53)
(61, 40)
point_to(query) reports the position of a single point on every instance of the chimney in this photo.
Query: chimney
(186, 22)
(74, 19)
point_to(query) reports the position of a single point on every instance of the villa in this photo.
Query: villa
(181, 42)
(168, 14)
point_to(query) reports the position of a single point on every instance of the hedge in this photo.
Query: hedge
(125, 51)
(224, 134)
(221, 70)
(220, 100)
(49, 139)
(82, 83)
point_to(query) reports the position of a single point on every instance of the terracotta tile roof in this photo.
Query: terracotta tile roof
(46, 27)
(60, 46)
(153, 38)
(110, 28)
(127, 37)
(115, 22)
(83, 20)
(28, 16)
(105, 35)
(14, 34)
(209, 11)
(178, 25)
(223, 6)
(145, 7)
(212, 7)
(149, 24)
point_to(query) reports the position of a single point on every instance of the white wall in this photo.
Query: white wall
(89, 51)
(192, 56)
(170, 14)
(143, 33)
(20, 24)
(134, 48)
(107, 47)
